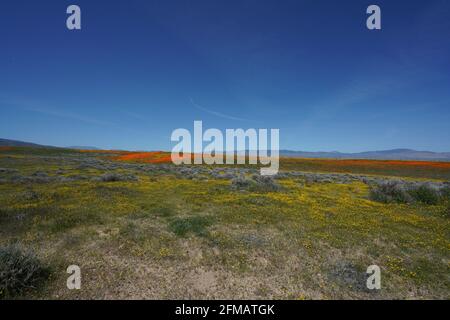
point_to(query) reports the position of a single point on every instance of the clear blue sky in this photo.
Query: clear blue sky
(139, 69)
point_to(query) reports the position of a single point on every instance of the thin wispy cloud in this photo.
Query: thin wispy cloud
(215, 113)
(33, 106)
(70, 116)
(135, 115)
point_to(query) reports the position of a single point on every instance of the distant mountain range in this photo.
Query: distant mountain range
(394, 154)
(83, 148)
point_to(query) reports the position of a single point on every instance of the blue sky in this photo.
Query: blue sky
(140, 69)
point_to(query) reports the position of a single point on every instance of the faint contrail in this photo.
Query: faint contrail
(218, 114)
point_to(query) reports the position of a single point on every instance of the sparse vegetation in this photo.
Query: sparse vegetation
(223, 232)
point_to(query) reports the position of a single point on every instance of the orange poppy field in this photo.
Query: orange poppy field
(402, 168)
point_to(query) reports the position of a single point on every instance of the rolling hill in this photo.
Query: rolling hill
(16, 143)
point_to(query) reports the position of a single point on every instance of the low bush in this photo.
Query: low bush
(401, 192)
(116, 177)
(197, 225)
(426, 194)
(257, 183)
(20, 270)
(390, 191)
(240, 183)
(266, 183)
(445, 192)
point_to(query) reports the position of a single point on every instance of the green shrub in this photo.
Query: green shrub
(399, 192)
(241, 183)
(257, 183)
(390, 192)
(116, 177)
(20, 270)
(425, 194)
(196, 225)
(445, 192)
